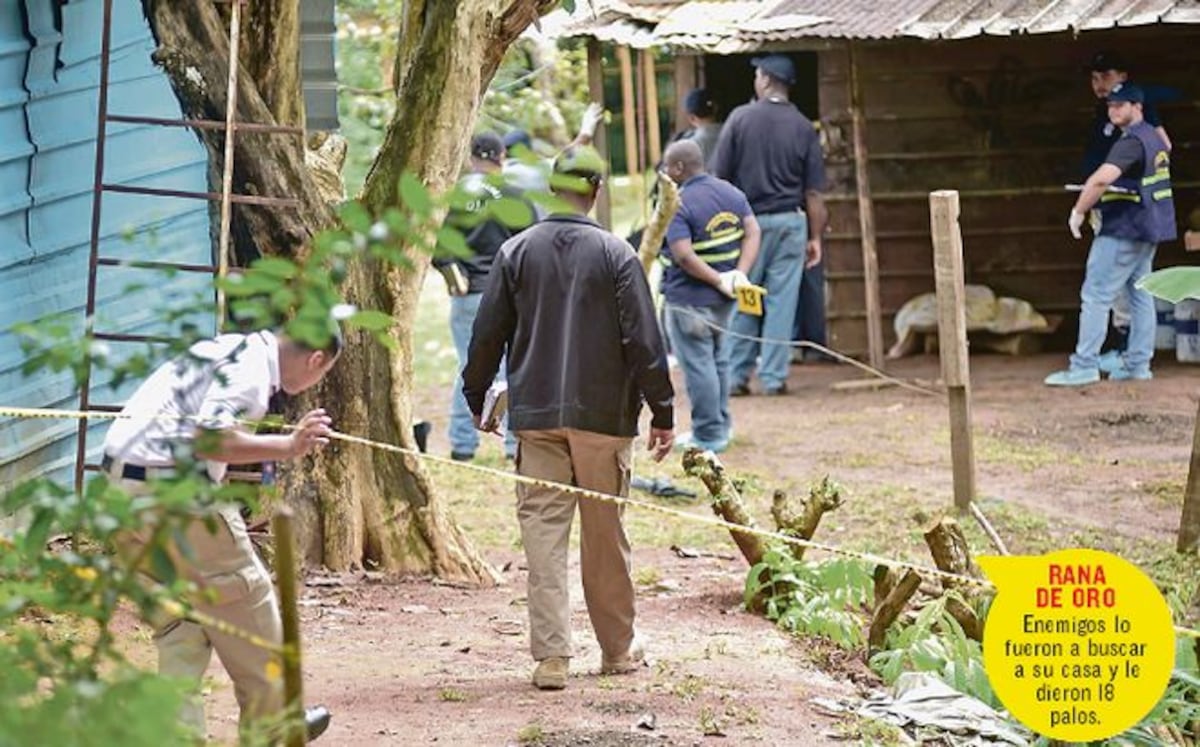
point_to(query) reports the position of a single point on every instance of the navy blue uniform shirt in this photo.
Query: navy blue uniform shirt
(711, 214)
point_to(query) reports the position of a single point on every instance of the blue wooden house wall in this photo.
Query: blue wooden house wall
(49, 78)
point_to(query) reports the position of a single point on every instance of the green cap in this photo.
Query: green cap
(579, 159)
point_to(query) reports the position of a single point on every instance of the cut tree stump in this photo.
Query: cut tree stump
(893, 604)
(726, 500)
(952, 554)
(822, 497)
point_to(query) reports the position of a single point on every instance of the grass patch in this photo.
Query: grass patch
(451, 695)
(1168, 492)
(1027, 457)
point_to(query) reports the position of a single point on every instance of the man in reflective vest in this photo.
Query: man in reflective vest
(1133, 191)
(712, 243)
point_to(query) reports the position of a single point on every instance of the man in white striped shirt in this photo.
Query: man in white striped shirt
(193, 410)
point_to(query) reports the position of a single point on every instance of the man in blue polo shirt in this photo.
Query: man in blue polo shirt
(771, 152)
(1134, 217)
(711, 243)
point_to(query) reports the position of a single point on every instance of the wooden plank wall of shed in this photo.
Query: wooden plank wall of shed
(1002, 120)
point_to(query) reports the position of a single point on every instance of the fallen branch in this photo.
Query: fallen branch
(988, 529)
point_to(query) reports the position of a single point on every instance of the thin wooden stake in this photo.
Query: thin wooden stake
(235, 35)
(952, 338)
(988, 529)
(600, 141)
(287, 578)
(887, 612)
(1189, 522)
(866, 218)
(653, 136)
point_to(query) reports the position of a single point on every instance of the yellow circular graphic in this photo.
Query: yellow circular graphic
(1079, 644)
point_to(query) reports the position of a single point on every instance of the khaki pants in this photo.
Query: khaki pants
(588, 460)
(234, 588)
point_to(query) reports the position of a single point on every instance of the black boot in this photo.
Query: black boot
(316, 721)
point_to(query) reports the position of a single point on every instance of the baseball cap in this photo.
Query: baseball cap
(697, 102)
(1127, 92)
(1106, 60)
(488, 146)
(517, 137)
(582, 161)
(777, 66)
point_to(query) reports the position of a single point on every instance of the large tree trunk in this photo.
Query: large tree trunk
(361, 507)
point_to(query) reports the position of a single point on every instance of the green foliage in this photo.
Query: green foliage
(70, 683)
(1173, 284)
(823, 599)
(935, 643)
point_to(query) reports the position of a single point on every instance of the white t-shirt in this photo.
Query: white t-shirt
(213, 385)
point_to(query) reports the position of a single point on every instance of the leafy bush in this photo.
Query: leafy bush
(825, 599)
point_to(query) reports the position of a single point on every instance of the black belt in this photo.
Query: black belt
(128, 471)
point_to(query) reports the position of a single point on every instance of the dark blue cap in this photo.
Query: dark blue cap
(778, 66)
(488, 146)
(697, 102)
(1127, 92)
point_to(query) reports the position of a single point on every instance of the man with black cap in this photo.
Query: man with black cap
(1133, 191)
(771, 151)
(1107, 69)
(569, 303)
(465, 276)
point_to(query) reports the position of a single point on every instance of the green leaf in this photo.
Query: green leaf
(38, 532)
(512, 212)
(355, 217)
(415, 195)
(277, 267)
(568, 5)
(369, 320)
(161, 565)
(1173, 284)
(452, 243)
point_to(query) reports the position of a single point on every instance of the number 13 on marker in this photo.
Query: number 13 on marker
(749, 299)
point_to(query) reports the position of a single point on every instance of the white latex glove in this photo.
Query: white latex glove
(591, 119)
(1075, 223)
(731, 280)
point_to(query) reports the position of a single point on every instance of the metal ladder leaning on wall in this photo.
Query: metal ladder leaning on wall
(220, 268)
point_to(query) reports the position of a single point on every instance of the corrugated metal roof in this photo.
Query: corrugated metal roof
(49, 71)
(728, 26)
(960, 19)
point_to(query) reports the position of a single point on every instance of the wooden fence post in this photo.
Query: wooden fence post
(952, 338)
(287, 577)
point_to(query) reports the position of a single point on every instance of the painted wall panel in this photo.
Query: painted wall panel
(49, 76)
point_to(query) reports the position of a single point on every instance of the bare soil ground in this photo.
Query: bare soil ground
(406, 662)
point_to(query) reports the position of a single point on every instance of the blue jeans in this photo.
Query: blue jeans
(1114, 264)
(703, 353)
(810, 309)
(464, 438)
(778, 268)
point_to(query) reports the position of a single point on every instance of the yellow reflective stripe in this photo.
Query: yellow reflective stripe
(1114, 196)
(1162, 194)
(712, 259)
(720, 241)
(1156, 177)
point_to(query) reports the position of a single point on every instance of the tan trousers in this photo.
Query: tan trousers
(588, 460)
(236, 588)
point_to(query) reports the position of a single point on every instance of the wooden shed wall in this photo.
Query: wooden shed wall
(1004, 121)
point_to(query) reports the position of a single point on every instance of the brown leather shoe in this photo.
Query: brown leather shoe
(551, 673)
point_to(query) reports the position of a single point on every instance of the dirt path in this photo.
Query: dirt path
(409, 662)
(415, 663)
